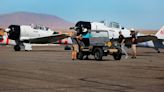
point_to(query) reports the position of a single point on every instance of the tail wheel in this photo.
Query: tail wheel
(98, 53)
(17, 48)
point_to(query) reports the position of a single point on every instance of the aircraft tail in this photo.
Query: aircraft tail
(160, 33)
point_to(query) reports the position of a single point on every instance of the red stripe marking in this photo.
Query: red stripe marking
(60, 41)
(1, 40)
(7, 41)
(66, 42)
(162, 32)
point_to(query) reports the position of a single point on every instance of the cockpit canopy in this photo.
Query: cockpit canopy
(39, 27)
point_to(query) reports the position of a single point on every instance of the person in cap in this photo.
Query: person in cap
(134, 42)
(122, 43)
(75, 45)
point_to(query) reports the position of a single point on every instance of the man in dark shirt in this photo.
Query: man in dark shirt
(122, 43)
(134, 42)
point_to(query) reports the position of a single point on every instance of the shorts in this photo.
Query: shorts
(75, 47)
(134, 47)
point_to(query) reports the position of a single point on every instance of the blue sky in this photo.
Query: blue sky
(146, 14)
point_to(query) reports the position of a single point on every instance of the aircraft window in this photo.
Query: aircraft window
(41, 28)
(47, 28)
(36, 27)
(114, 25)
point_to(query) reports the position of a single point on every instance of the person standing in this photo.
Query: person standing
(75, 46)
(122, 43)
(134, 42)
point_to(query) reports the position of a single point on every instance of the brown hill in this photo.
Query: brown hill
(147, 31)
(34, 18)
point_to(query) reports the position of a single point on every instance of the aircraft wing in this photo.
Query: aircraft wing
(146, 38)
(139, 39)
(46, 39)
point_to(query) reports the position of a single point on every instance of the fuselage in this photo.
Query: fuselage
(113, 31)
(28, 32)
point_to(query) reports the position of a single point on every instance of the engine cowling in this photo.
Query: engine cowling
(81, 25)
(14, 32)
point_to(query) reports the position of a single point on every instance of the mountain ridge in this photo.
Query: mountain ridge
(26, 18)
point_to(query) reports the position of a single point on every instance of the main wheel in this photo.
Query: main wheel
(80, 56)
(17, 48)
(98, 53)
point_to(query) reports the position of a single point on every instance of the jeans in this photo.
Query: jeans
(123, 49)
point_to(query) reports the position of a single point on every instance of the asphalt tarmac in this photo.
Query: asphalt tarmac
(50, 69)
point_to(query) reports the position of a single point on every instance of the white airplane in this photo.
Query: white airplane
(155, 43)
(22, 36)
(113, 31)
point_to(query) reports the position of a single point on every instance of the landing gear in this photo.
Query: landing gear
(158, 51)
(17, 48)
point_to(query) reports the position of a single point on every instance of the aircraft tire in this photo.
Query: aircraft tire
(17, 48)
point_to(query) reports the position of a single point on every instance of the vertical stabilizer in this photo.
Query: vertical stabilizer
(160, 33)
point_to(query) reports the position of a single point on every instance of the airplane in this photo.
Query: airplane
(22, 36)
(155, 43)
(113, 31)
